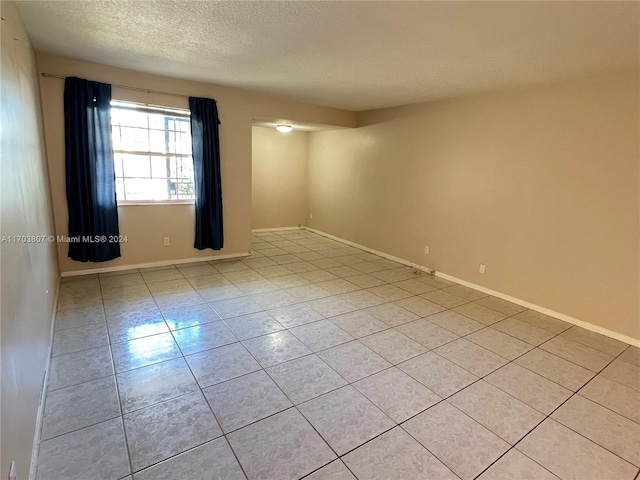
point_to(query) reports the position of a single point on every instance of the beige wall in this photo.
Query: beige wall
(540, 185)
(28, 269)
(279, 178)
(145, 226)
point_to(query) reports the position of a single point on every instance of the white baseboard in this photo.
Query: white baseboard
(370, 250)
(275, 229)
(40, 414)
(547, 311)
(161, 263)
(532, 306)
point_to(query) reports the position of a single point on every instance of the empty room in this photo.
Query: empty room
(331, 240)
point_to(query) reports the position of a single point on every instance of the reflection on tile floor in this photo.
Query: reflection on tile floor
(314, 359)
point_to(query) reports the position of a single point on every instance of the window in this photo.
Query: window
(151, 153)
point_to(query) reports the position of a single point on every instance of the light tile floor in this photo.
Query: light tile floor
(313, 358)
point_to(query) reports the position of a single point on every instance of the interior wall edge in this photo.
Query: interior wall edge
(531, 306)
(47, 369)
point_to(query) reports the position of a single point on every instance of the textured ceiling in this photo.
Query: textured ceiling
(352, 55)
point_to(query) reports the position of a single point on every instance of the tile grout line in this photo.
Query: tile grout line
(184, 359)
(201, 390)
(549, 417)
(387, 329)
(358, 339)
(339, 457)
(426, 318)
(115, 381)
(480, 378)
(396, 424)
(293, 405)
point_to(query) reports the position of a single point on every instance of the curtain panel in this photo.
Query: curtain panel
(90, 176)
(206, 164)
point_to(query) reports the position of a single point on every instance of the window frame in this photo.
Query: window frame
(151, 109)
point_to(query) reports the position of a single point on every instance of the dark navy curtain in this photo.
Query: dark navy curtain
(91, 194)
(206, 165)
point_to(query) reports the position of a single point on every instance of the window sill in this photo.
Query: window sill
(158, 203)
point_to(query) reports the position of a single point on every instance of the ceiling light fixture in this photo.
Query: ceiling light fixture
(284, 128)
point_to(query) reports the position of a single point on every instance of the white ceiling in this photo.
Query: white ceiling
(352, 55)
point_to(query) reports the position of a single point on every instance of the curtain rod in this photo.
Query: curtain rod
(127, 87)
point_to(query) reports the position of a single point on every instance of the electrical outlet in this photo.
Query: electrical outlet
(426, 249)
(166, 241)
(310, 216)
(482, 268)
